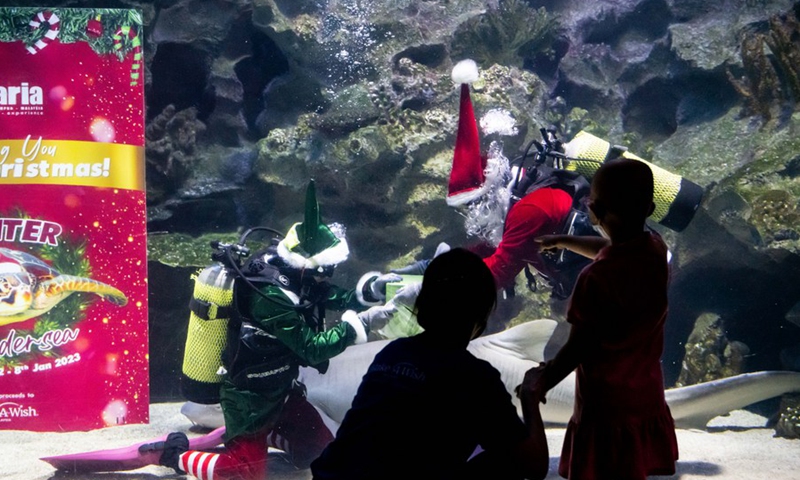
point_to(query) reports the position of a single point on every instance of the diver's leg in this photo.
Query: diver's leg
(300, 431)
(245, 458)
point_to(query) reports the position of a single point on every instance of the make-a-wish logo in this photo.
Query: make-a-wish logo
(11, 410)
(22, 99)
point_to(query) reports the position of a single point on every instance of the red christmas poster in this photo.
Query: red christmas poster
(73, 269)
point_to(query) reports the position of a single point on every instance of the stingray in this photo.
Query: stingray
(512, 352)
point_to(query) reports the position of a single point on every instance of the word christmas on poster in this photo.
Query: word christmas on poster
(37, 162)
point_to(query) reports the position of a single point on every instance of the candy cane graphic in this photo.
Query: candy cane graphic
(127, 31)
(52, 21)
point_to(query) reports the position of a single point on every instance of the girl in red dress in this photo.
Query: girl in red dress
(621, 428)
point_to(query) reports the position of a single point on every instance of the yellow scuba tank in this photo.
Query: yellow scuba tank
(211, 308)
(211, 311)
(676, 198)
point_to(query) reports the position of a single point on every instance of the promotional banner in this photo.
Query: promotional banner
(73, 268)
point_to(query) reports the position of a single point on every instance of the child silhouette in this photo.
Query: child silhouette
(426, 403)
(621, 427)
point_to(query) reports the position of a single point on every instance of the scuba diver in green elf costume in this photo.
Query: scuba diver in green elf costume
(278, 325)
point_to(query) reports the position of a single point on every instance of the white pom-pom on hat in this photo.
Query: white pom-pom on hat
(465, 71)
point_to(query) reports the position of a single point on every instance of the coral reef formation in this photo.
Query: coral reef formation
(709, 353)
(760, 85)
(784, 42)
(771, 80)
(171, 148)
(507, 34)
(788, 425)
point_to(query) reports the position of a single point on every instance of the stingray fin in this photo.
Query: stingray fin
(525, 341)
(695, 405)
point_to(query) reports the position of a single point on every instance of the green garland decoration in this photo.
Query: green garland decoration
(14, 26)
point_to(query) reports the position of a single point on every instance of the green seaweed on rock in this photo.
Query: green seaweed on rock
(784, 42)
(506, 35)
(775, 214)
(760, 86)
(788, 425)
(771, 64)
(182, 250)
(710, 355)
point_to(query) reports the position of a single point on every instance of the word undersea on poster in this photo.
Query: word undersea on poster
(73, 269)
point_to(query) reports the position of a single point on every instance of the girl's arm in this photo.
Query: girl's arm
(533, 452)
(574, 351)
(588, 246)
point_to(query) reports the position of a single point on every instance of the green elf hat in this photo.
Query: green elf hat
(312, 244)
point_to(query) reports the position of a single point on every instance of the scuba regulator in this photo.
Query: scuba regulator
(549, 161)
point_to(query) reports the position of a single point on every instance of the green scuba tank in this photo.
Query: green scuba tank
(211, 309)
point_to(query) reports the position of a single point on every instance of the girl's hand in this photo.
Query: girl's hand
(548, 242)
(533, 387)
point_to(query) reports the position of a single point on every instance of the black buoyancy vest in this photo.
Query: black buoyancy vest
(256, 360)
(543, 176)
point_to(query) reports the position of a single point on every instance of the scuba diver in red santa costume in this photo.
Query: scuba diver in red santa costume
(479, 187)
(508, 205)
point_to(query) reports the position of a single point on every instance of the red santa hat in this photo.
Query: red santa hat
(467, 178)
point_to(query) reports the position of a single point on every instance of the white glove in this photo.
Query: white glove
(378, 286)
(418, 267)
(377, 317)
(407, 295)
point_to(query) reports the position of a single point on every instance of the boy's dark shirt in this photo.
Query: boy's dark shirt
(419, 413)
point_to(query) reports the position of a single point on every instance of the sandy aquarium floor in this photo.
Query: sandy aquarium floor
(735, 446)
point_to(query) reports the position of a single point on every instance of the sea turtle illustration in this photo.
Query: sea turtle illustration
(29, 287)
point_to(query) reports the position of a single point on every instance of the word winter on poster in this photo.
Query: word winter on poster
(36, 161)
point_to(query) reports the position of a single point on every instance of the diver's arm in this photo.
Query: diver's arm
(314, 347)
(277, 315)
(340, 299)
(588, 246)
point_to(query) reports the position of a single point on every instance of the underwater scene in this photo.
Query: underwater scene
(308, 159)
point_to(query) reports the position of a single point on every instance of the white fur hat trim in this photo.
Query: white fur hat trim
(330, 256)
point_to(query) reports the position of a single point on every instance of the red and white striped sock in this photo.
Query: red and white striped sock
(275, 440)
(198, 464)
